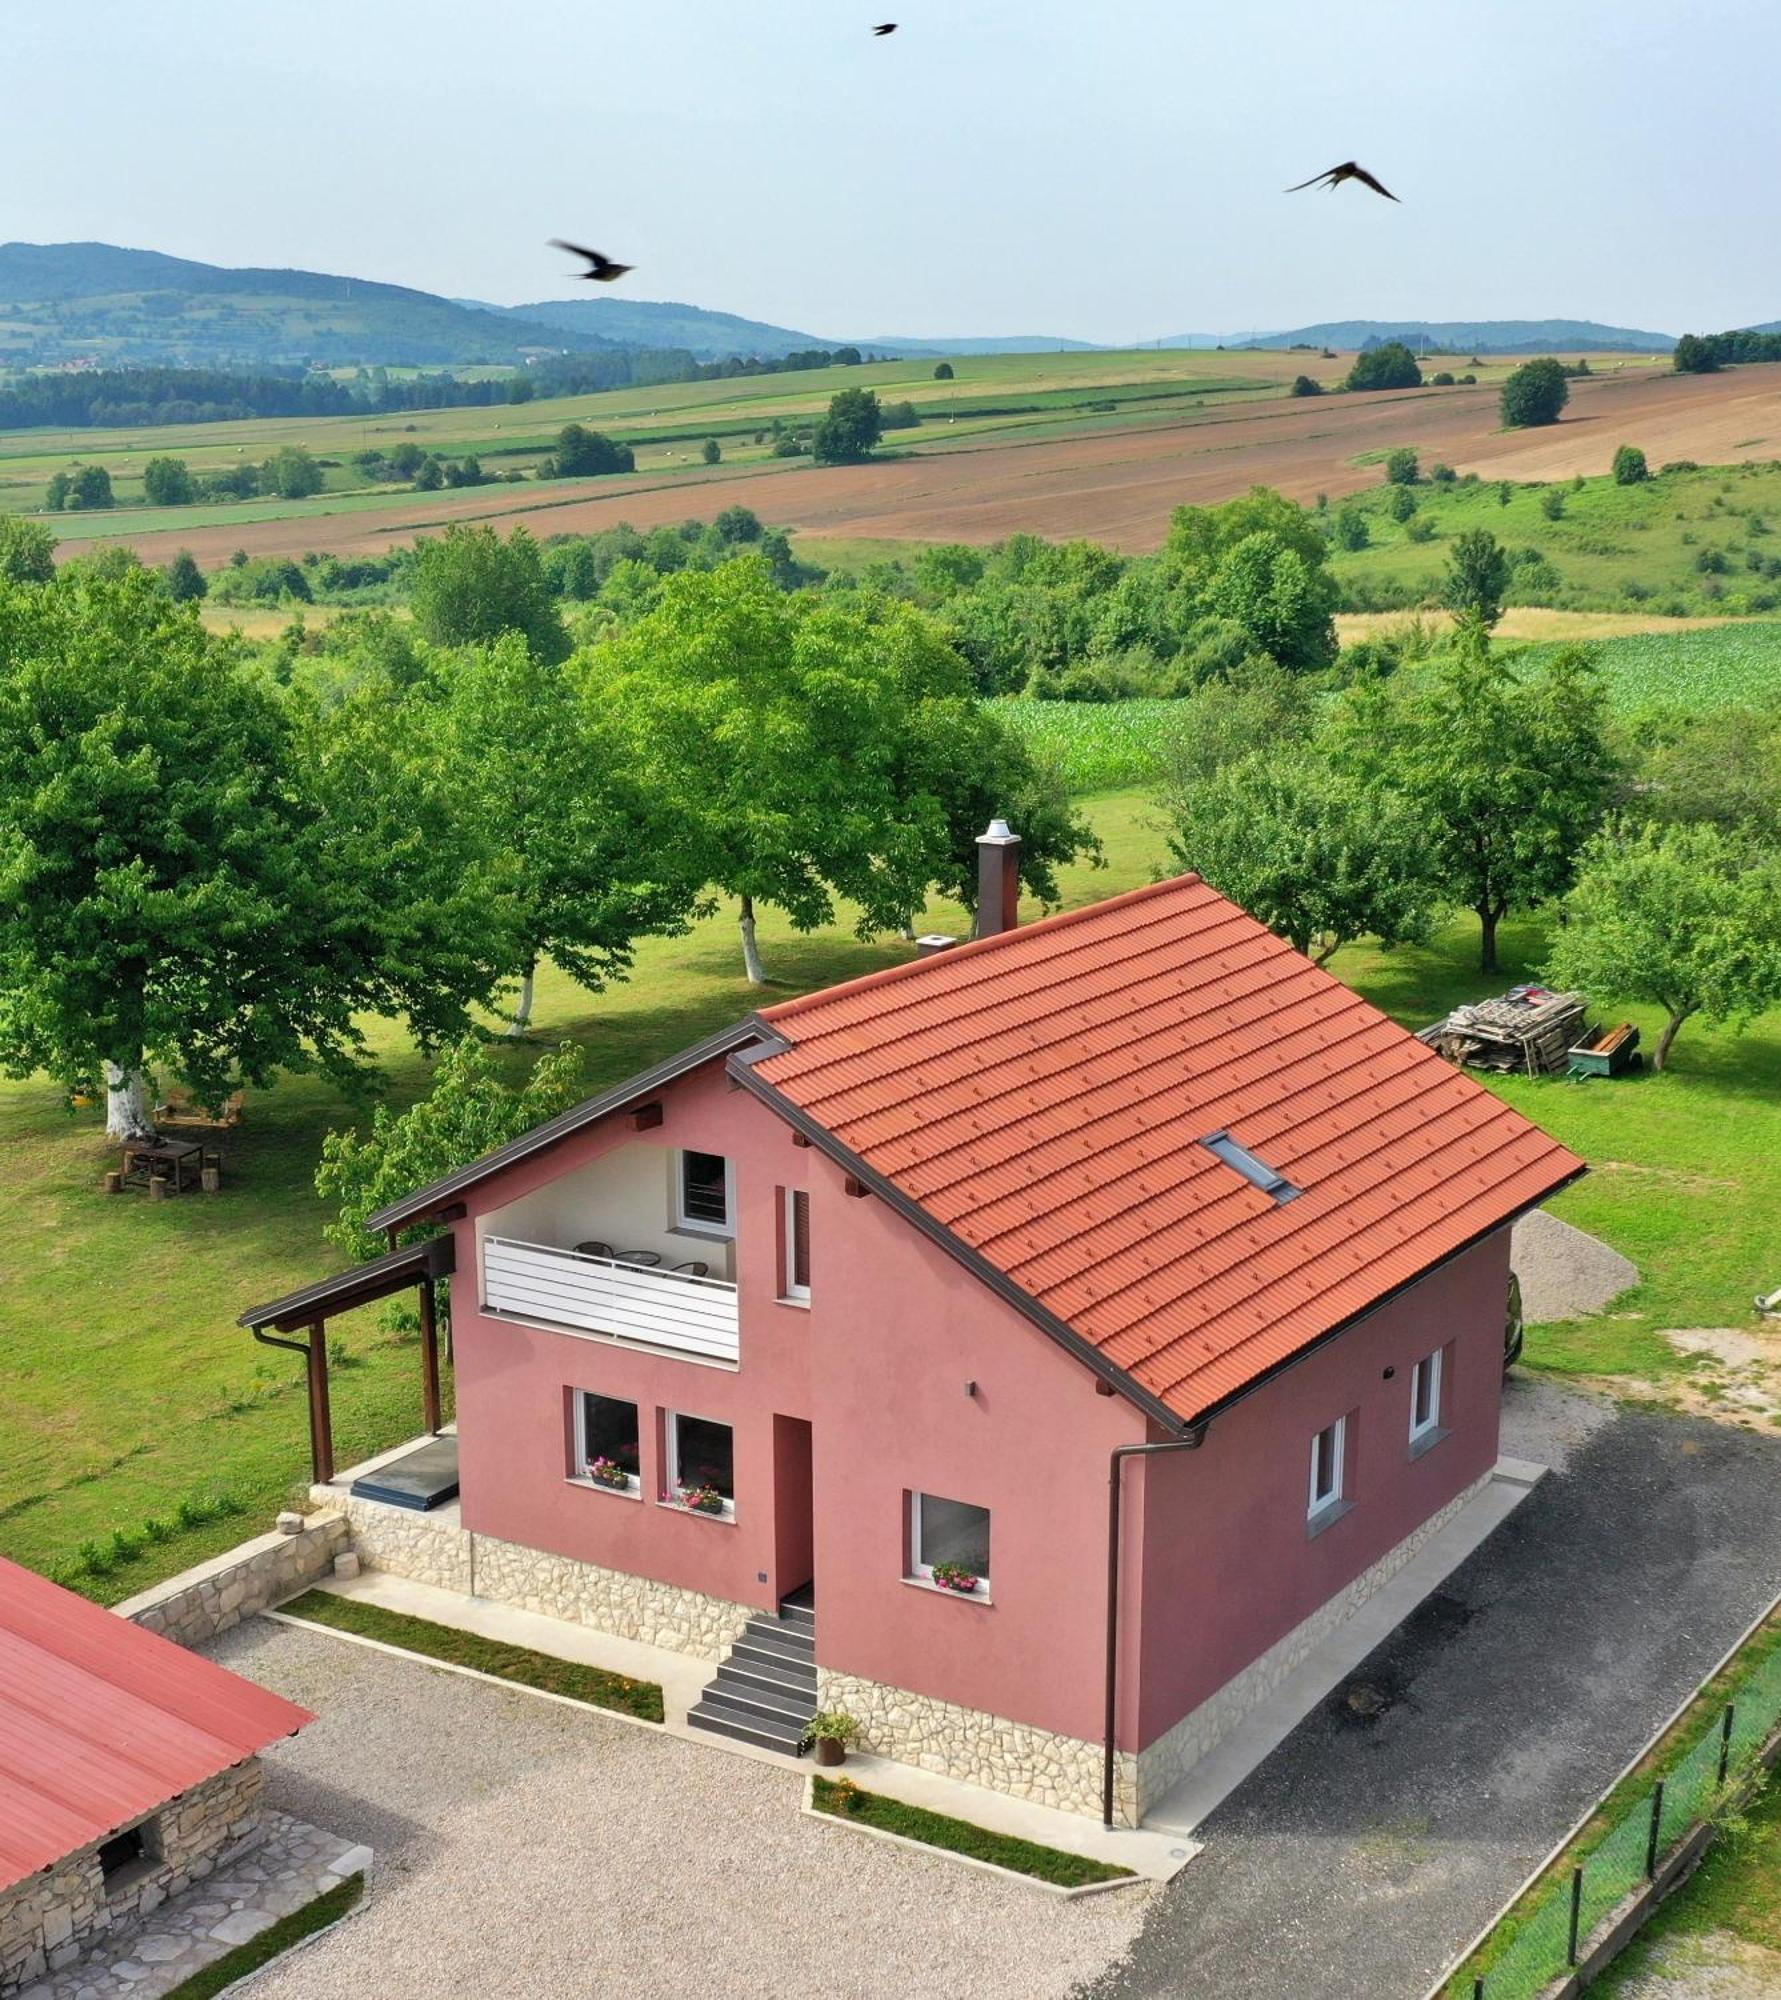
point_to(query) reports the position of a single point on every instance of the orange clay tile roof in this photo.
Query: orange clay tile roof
(1044, 1095)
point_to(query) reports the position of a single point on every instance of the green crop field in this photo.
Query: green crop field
(132, 1395)
(1706, 668)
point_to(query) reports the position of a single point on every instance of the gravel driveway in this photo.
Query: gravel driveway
(530, 1851)
(1365, 1853)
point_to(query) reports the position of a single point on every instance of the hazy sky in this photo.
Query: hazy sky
(1108, 171)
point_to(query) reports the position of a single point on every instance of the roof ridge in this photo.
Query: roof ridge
(975, 947)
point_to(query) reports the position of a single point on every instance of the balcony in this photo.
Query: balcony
(664, 1309)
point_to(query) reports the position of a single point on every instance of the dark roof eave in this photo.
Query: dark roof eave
(441, 1193)
(363, 1285)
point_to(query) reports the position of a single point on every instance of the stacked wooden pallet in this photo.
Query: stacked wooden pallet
(1529, 1030)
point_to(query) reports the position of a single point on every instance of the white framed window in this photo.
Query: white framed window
(794, 1216)
(1329, 1453)
(700, 1465)
(704, 1194)
(951, 1537)
(1425, 1398)
(608, 1452)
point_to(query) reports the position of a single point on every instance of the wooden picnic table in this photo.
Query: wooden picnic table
(179, 1162)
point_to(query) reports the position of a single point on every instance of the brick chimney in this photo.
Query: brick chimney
(998, 879)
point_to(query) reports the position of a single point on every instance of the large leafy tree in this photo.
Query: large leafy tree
(1477, 581)
(27, 550)
(194, 877)
(1511, 775)
(1283, 604)
(470, 587)
(587, 857)
(1535, 393)
(1316, 852)
(853, 425)
(779, 727)
(1682, 917)
(167, 482)
(1390, 365)
(470, 1110)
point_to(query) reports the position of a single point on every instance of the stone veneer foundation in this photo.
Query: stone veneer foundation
(436, 1548)
(201, 1602)
(1065, 1771)
(47, 1920)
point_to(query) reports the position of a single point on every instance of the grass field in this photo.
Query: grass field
(130, 1389)
(1700, 542)
(1063, 444)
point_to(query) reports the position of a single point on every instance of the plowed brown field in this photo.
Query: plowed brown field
(1116, 485)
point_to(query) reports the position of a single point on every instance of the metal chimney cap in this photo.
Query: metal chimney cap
(998, 830)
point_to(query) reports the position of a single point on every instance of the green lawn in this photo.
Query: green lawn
(522, 1664)
(842, 1799)
(130, 1389)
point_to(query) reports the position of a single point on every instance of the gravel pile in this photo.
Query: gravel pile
(527, 1851)
(1565, 1272)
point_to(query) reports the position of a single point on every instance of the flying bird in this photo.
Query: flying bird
(885, 28)
(600, 270)
(1349, 170)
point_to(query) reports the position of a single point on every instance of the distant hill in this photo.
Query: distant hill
(1453, 336)
(719, 336)
(63, 302)
(709, 336)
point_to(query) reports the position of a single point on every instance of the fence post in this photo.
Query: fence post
(1478, 1989)
(1725, 1741)
(1657, 1814)
(1576, 1911)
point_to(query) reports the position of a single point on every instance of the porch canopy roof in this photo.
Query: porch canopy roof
(363, 1285)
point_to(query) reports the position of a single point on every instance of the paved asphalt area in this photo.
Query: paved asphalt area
(1366, 1852)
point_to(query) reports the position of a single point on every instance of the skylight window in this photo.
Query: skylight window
(1256, 1172)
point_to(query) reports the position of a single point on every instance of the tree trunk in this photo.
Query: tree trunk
(751, 958)
(522, 1013)
(1660, 1056)
(1487, 942)
(127, 1114)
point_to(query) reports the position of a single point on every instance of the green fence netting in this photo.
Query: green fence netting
(1540, 1951)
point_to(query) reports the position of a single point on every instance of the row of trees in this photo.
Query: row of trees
(207, 870)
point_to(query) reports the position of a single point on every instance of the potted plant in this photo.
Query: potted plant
(954, 1576)
(702, 1499)
(608, 1472)
(833, 1731)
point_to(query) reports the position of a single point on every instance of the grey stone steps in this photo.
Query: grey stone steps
(755, 1705)
(773, 1664)
(748, 1678)
(787, 1638)
(801, 1615)
(721, 1722)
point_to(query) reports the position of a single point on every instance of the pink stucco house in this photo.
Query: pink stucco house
(1032, 1349)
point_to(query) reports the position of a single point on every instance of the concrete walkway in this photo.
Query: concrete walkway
(292, 1866)
(1390, 1826)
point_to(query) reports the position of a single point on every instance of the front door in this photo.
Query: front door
(794, 1507)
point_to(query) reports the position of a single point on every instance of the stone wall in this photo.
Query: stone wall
(435, 1548)
(1065, 1771)
(199, 1603)
(48, 1920)
(968, 1744)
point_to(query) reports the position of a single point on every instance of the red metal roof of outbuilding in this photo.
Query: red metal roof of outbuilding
(1045, 1095)
(101, 1721)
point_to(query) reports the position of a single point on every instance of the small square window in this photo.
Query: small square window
(951, 1537)
(1329, 1450)
(1425, 1398)
(606, 1442)
(702, 1193)
(795, 1211)
(1254, 1170)
(126, 1857)
(701, 1468)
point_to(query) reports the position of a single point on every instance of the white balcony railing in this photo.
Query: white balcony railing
(631, 1302)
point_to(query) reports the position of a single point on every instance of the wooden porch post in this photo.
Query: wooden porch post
(433, 1416)
(321, 1422)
